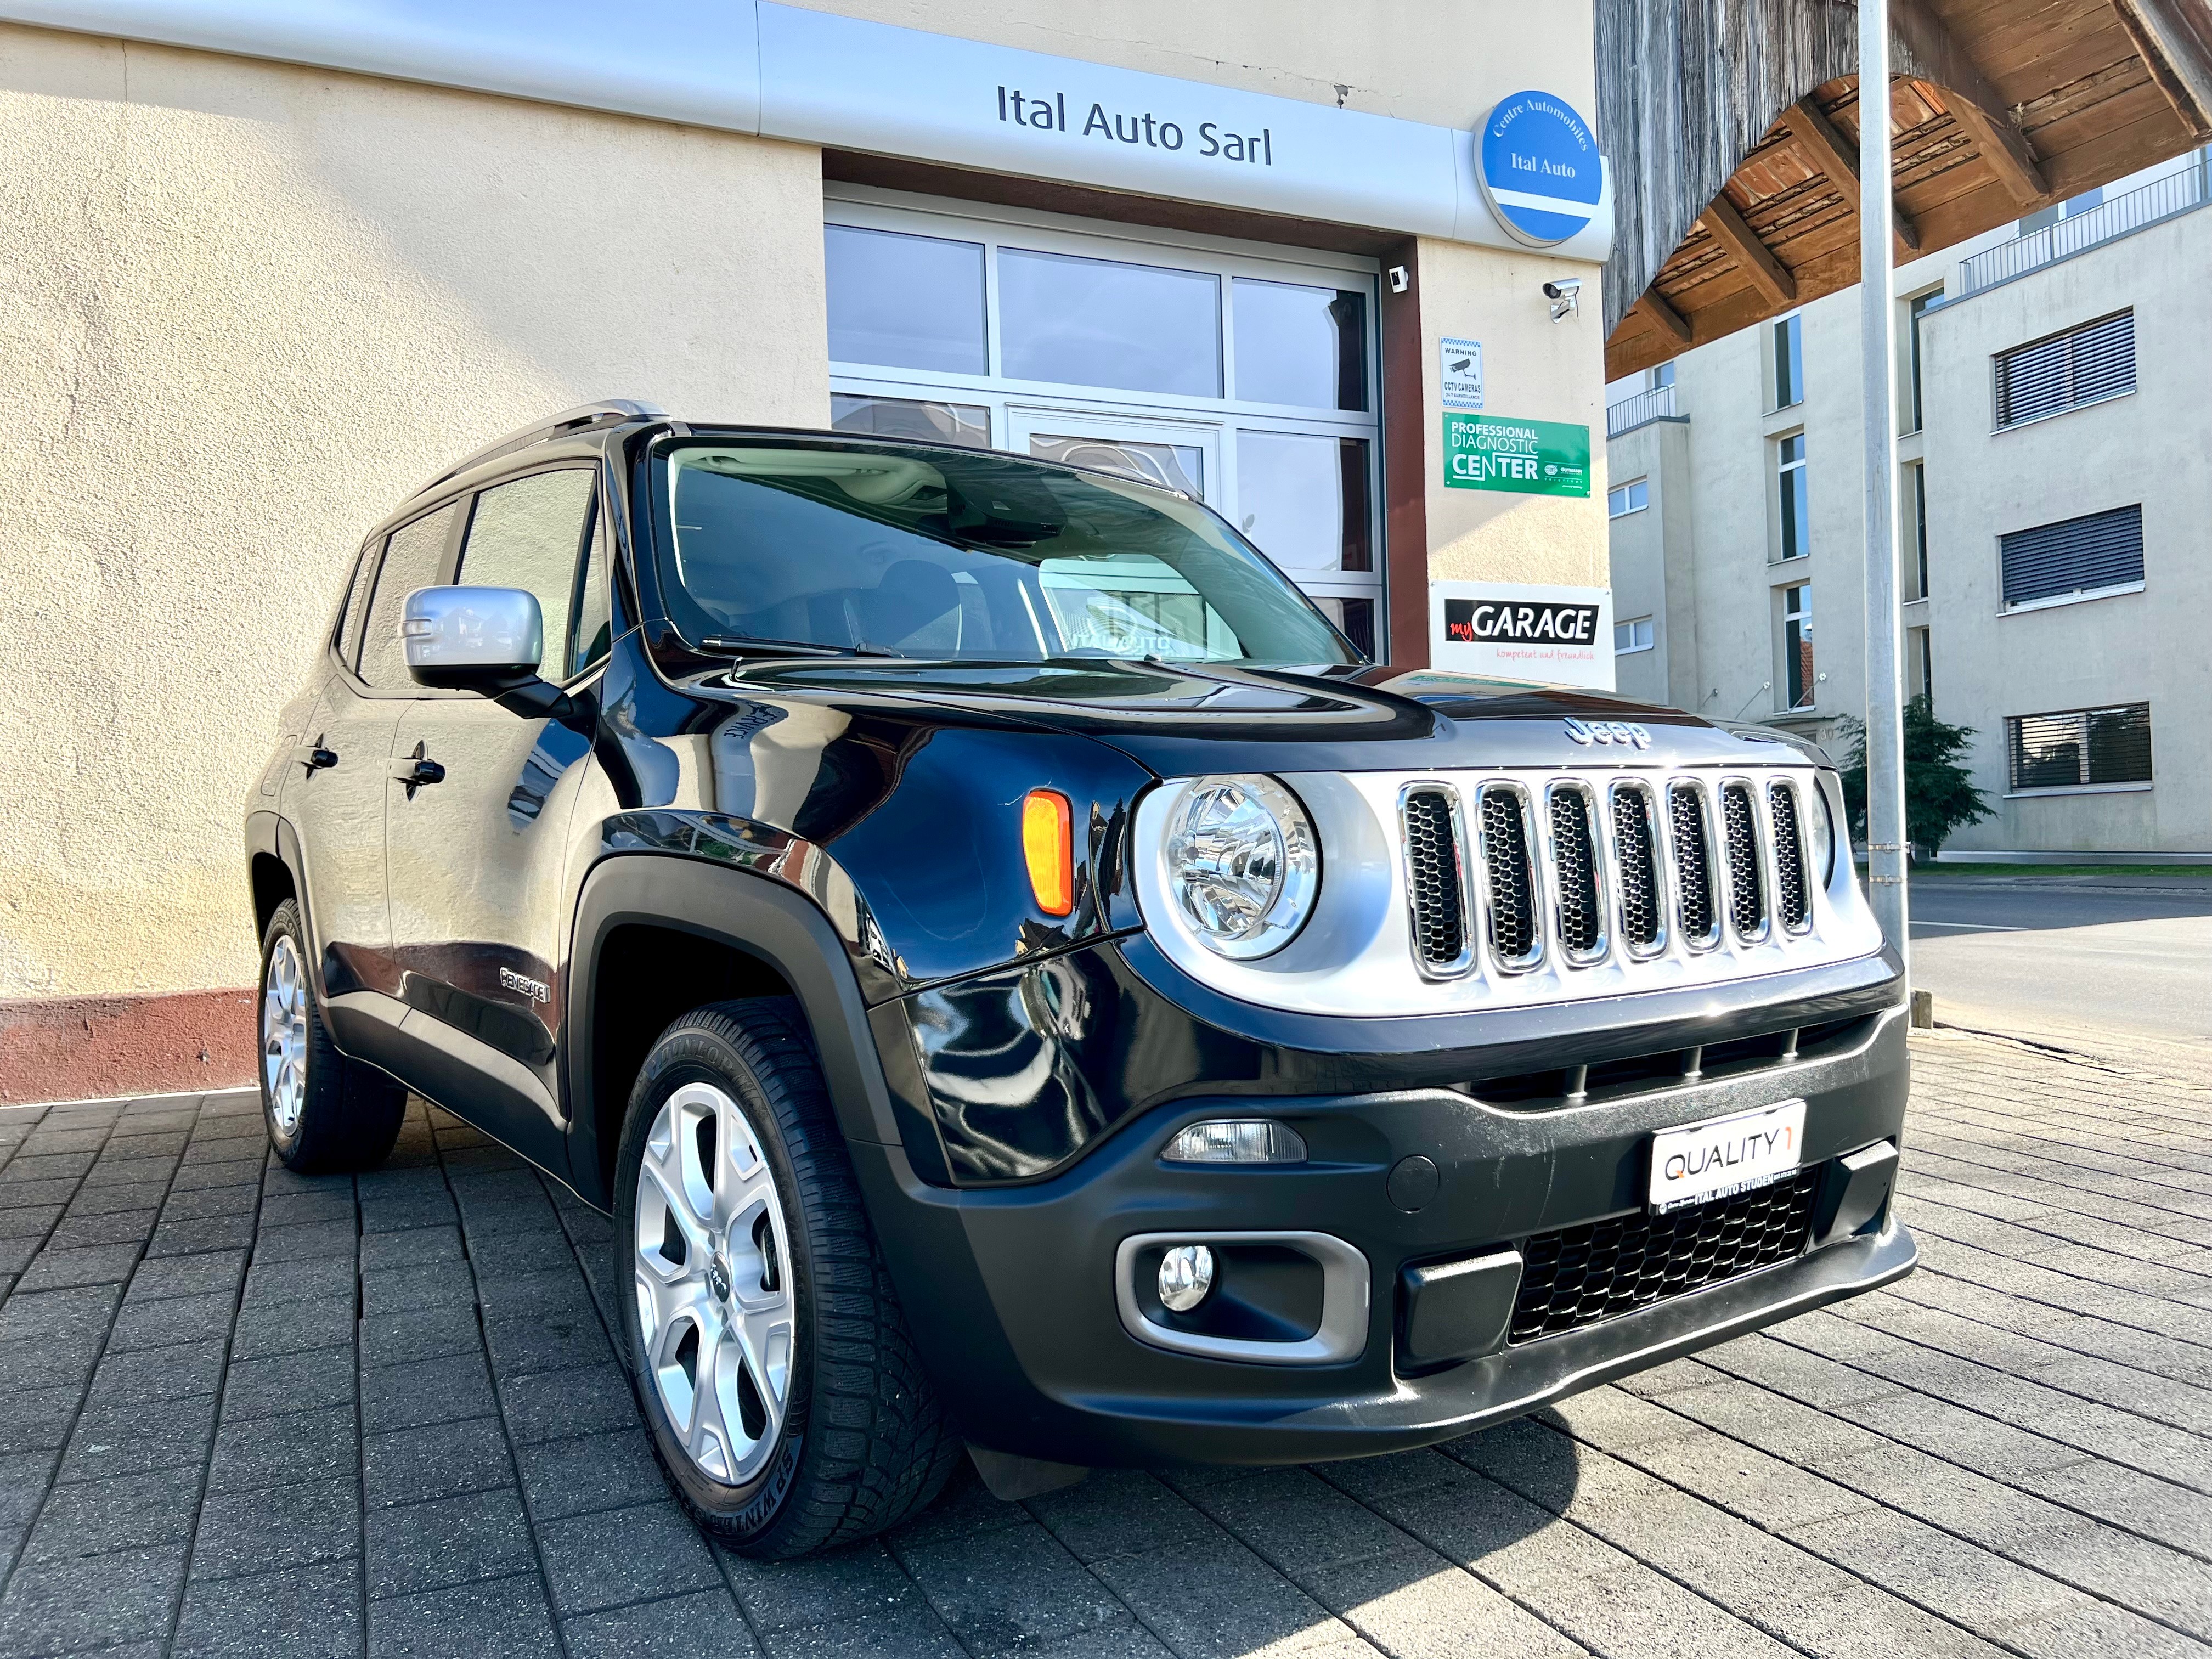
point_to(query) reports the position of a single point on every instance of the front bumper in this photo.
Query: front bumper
(1011, 1291)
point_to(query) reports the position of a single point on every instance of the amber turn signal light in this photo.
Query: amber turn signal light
(1048, 843)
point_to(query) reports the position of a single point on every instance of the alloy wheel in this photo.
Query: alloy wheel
(715, 1308)
(284, 1033)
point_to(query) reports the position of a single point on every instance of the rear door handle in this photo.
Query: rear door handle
(418, 769)
(314, 756)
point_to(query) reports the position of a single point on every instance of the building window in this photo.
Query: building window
(2080, 749)
(2084, 365)
(1922, 660)
(1634, 635)
(1796, 513)
(1916, 549)
(1789, 362)
(1921, 305)
(1622, 500)
(1798, 675)
(2075, 558)
(1656, 378)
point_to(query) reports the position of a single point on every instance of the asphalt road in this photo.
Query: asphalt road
(2118, 966)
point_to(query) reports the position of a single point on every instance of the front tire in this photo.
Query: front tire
(325, 1111)
(769, 1354)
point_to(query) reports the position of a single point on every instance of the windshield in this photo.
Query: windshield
(964, 554)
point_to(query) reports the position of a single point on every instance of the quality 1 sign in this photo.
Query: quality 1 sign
(1540, 168)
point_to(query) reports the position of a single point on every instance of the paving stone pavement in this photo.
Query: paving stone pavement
(242, 1413)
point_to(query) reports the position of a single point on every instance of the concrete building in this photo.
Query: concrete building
(270, 266)
(2055, 488)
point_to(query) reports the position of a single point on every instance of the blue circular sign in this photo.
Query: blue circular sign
(1540, 168)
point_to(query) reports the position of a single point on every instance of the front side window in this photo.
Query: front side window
(2080, 748)
(1798, 678)
(1789, 362)
(530, 534)
(1797, 508)
(411, 558)
(951, 554)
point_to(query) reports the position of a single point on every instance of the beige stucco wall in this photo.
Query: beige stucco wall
(243, 310)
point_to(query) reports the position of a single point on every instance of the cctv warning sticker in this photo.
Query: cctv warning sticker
(1459, 372)
(1535, 457)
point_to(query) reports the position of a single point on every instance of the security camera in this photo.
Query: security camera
(1565, 294)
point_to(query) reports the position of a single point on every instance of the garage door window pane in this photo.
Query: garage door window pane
(907, 301)
(1302, 500)
(1100, 322)
(1300, 345)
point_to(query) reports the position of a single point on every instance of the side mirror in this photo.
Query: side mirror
(486, 639)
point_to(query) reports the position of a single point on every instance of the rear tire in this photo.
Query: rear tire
(769, 1357)
(325, 1111)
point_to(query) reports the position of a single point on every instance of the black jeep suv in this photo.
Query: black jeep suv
(1018, 979)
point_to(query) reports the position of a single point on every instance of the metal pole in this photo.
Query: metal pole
(1885, 731)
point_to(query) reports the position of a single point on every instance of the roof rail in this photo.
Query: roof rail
(629, 409)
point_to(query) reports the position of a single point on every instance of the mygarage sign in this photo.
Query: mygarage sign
(752, 66)
(1523, 631)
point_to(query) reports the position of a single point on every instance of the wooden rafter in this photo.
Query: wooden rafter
(1652, 305)
(1833, 155)
(1974, 103)
(1727, 227)
(2174, 54)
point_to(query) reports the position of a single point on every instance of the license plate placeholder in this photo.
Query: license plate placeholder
(1721, 1157)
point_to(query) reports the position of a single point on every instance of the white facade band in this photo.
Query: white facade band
(755, 67)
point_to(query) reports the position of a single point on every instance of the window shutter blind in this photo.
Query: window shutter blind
(2082, 366)
(2074, 555)
(2079, 747)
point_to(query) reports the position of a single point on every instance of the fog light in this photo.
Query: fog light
(1186, 1276)
(1253, 1140)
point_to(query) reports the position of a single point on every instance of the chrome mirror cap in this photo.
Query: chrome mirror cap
(456, 635)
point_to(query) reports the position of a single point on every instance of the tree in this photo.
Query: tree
(1939, 796)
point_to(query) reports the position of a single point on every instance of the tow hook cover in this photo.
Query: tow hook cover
(1455, 1310)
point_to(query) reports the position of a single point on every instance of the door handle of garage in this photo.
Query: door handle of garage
(418, 769)
(314, 756)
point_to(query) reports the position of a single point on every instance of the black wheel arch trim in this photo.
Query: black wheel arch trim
(761, 918)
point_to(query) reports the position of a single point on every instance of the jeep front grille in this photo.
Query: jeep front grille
(1635, 851)
(1747, 892)
(1515, 939)
(1791, 900)
(1693, 865)
(1511, 877)
(1574, 872)
(1435, 886)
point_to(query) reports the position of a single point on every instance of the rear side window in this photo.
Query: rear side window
(532, 534)
(410, 560)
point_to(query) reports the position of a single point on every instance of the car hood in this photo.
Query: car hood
(1187, 719)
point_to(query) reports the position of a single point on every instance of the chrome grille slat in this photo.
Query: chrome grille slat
(1693, 865)
(1510, 907)
(1792, 896)
(1435, 880)
(1747, 888)
(1636, 870)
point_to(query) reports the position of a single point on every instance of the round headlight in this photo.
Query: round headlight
(1821, 829)
(1243, 865)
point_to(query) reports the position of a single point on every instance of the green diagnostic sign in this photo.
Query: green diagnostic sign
(1536, 457)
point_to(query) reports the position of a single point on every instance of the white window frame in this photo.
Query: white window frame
(1780, 470)
(1632, 624)
(922, 215)
(1622, 490)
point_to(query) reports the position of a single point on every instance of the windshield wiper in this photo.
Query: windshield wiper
(754, 645)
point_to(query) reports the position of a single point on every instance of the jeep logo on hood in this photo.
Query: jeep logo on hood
(1624, 732)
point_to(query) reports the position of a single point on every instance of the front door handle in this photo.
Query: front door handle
(314, 756)
(418, 769)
